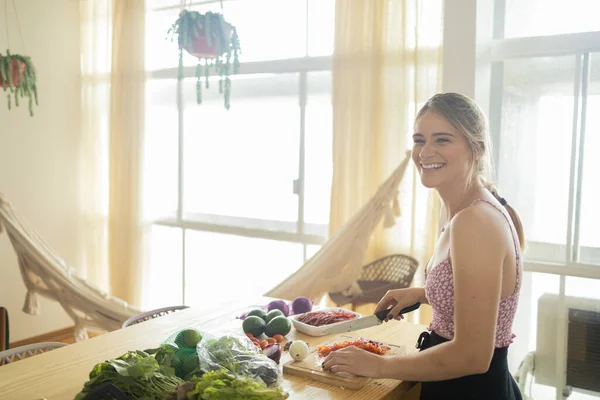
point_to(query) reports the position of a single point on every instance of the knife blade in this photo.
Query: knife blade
(365, 322)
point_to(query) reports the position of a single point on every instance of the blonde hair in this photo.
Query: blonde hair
(468, 118)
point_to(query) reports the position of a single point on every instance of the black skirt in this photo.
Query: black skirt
(496, 384)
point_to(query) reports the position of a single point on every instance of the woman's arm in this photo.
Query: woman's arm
(420, 295)
(477, 260)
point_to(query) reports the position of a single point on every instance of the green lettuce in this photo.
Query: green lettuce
(223, 385)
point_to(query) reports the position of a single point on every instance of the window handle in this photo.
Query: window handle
(296, 187)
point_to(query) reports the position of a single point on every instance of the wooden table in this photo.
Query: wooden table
(60, 374)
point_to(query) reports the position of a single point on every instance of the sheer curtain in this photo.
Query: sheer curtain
(112, 143)
(386, 64)
(96, 48)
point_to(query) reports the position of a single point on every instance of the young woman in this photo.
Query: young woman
(472, 282)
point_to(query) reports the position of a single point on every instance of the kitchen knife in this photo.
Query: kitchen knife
(365, 322)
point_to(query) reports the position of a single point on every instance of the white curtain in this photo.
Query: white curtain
(387, 63)
(96, 48)
(112, 140)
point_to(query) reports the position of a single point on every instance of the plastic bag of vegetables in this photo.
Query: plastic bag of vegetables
(235, 353)
(179, 352)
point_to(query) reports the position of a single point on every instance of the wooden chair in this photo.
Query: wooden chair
(4, 334)
(30, 350)
(395, 271)
(136, 319)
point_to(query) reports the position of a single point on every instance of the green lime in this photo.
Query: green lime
(259, 313)
(254, 325)
(191, 338)
(272, 314)
(278, 326)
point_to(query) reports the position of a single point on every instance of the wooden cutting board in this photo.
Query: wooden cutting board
(309, 368)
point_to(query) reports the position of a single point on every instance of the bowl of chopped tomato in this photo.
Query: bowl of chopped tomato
(314, 322)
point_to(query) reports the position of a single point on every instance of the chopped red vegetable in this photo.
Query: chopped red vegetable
(368, 345)
(319, 318)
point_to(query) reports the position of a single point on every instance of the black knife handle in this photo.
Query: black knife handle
(384, 313)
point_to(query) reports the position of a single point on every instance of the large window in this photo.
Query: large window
(543, 102)
(240, 197)
(545, 93)
(547, 131)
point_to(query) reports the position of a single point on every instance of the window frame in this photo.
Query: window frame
(580, 46)
(473, 48)
(245, 226)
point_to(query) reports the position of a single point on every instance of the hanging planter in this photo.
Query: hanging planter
(18, 78)
(214, 42)
(14, 73)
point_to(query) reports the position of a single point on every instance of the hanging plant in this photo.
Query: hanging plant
(18, 77)
(214, 42)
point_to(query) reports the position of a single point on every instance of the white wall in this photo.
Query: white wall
(39, 155)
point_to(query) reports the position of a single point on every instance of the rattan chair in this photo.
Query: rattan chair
(136, 319)
(30, 350)
(391, 272)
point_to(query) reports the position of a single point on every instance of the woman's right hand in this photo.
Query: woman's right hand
(399, 299)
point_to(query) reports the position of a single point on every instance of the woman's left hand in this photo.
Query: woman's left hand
(354, 361)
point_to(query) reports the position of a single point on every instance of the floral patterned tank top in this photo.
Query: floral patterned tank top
(439, 290)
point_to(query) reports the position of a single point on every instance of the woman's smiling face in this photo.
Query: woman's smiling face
(441, 152)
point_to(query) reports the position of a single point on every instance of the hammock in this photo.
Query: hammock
(336, 267)
(45, 273)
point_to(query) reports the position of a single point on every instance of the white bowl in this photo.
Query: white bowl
(318, 330)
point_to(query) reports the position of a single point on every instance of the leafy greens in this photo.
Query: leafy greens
(223, 385)
(137, 374)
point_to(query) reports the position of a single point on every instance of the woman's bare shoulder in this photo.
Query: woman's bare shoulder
(481, 217)
(479, 227)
